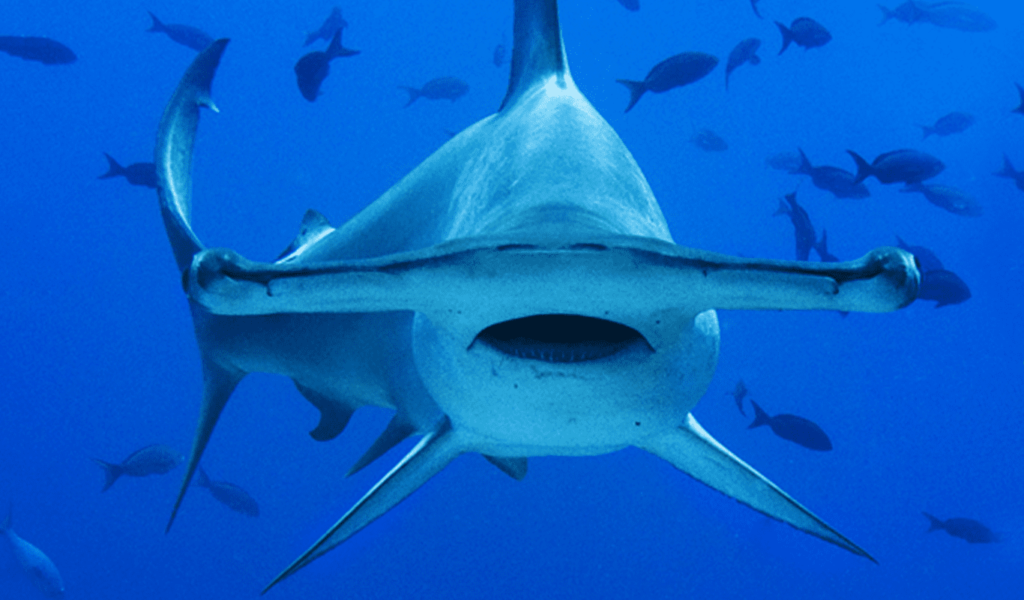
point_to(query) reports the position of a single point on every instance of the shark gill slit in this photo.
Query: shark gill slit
(558, 338)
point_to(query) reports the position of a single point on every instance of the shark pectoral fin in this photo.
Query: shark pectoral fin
(514, 467)
(218, 384)
(428, 458)
(399, 428)
(334, 416)
(694, 452)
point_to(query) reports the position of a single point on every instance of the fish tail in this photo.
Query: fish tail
(927, 131)
(805, 167)
(112, 471)
(863, 167)
(202, 479)
(886, 15)
(636, 89)
(760, 417)
(787, 36)
(414, 93)
(114, 170)
(821, 246)
(1020, 91)
(157, 26)
(1008, 170)
(783, 209)
(934, 523)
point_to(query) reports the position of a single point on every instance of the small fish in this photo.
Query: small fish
(804, 32)
(674, 71)
(442, 88)
(331, 25)
(229, 495)
(39, 568)
(1020, 92)
(805, 236)
(958, 16)
(39, 49)
(186, 35)
(926, 259)
(954, 122)
(1009, 172)
(151, 460)
(908, 12)
(784, 161)
(944, 287)
(793, 428)
(947, 197)
(738, 395)
(821, 247)
(709, 141)
(839, 182)
(753, 5)
(143, 174)
(744, 52)
(633, 5)
(313, 68)
(908, 166)
(973, 531)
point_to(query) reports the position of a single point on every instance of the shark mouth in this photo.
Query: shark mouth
(560, 338)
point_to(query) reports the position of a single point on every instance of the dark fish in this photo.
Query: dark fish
(709, 141)
(331, 25)
(313, 68)
(793, 428)
(498, 58)
(805, 236)
(926, 259)
(839, 182)
(954, 122)
(946, 197)
(39, 49)
(1020, 92)
(908, 12)
(804, 32)
(744, 52)
(39, 568)
(1009, 172)
(753, 5)
(944, 287)
(674, 71)
(143, 174)
(965, 529)
(186, 35)
(151, 460)
(738, 395)
(821, 247)
(229, 494)
(633, 5)
(958, 16)
(908, 166)
(442, 88)
(784, 161)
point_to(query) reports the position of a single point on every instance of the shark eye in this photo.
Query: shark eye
(559, 338)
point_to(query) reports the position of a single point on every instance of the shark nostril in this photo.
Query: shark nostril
(559, 338)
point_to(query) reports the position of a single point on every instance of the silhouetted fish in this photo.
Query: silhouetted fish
(908, 12)
(804, 32)
(674, 71)
(186, 35)
(442, 88)
(330, 26)
(926, 259)
(958, 16)
(954, 122)
(753, 5)
(948, 198)
(839, 182)
(151, 460)
(1011, 173)
(738, 395)
(39, 49)
(973, 531)
(143, 174)
(36, 565)
(1020, 92)
(709, 141)
(784, 161)
(908, 166)
(805, 236)
(633, 5)
(744, 52)
(313, 68)
(793, 428)
(944, 287)
(821, 247)
(229, 494)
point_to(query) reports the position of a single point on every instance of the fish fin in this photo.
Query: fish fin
(934, 523)
(783, 209)
(760, 417)
(202, 479)
(537, 51)
(414, 94)
(434, 452)
(636, 89)
(693, 451)
(334, 416)
(218, 384)
(787, 36)
(514, 467)
(805, 167)
(111, 471)
(399, 428)
(1008, 170)
(114, 169)
(754, 60)
(314, 227)
(174, 143)
(821, 246)
(926, 131)
(886, 15)
(1020, 91)
(863, 167)
(157, 26)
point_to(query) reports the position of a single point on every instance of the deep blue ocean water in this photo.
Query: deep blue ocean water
(98, 357)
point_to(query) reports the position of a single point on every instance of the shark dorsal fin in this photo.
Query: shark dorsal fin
(537, 51)
(314, 227)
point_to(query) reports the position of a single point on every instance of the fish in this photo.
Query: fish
(974, 532)
(954, 122)
(156, 459)
(839, 182)
(709, 141)
(909, 12)
(744, 52)
(675, 71)
(633, 5)
(36, 565)
(821, 247)
(330, 26)
(143, 174)
(441, 88)
(958, 16)
(753, 5)
(805, 32)
(526, 260)
(805, 236)
(738, 394)
(228, 494)
(926, 259)
(793, 428)
(907, 166)
(186, 35)
(944, 287)
(784, 161)
(1010, 173)
(313, 68)
(1020, 107)
(38, 49)
(947, 198)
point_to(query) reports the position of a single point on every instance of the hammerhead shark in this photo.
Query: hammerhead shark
(517, 294)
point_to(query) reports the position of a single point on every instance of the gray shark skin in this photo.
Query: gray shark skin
(426, 302)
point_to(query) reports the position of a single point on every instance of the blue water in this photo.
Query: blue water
(98, 357)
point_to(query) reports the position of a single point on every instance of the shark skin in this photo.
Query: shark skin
(428, 301)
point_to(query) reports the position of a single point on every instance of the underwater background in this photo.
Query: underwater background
(923, 406)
